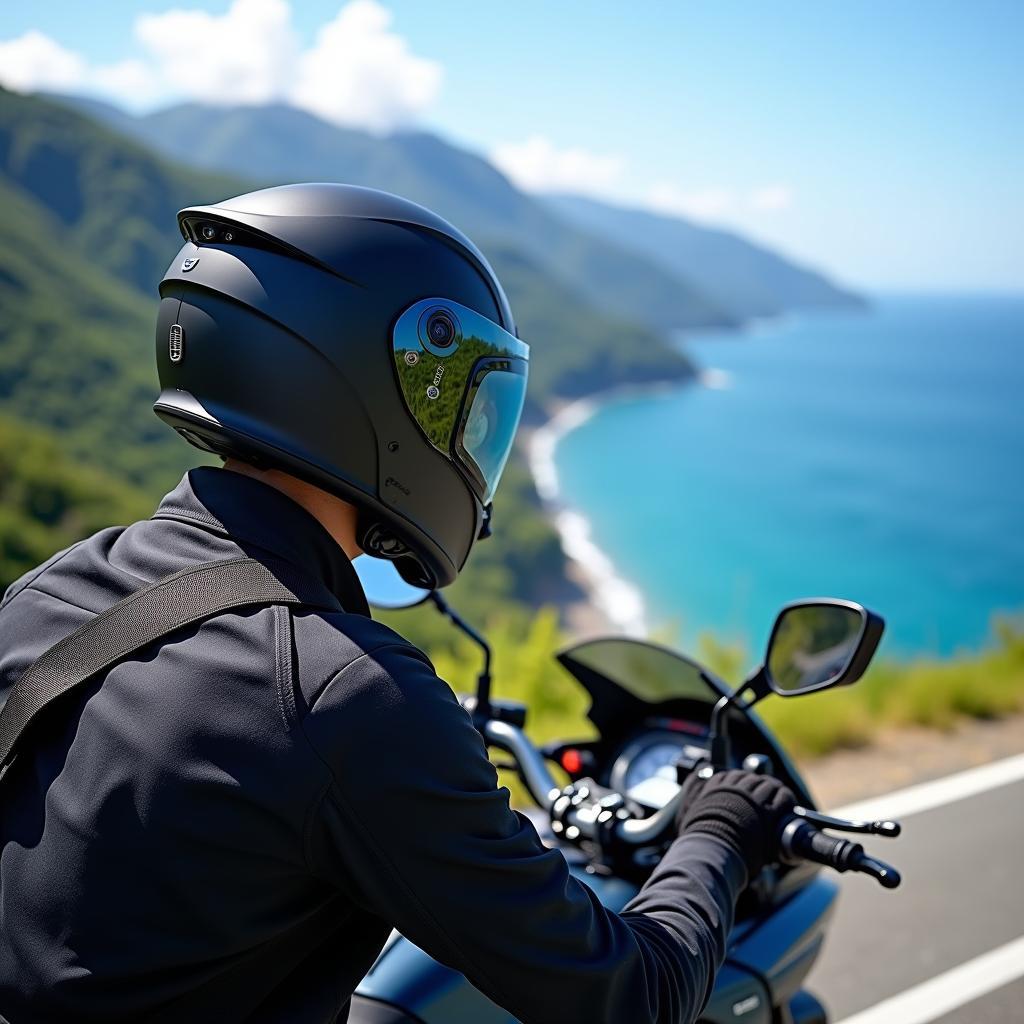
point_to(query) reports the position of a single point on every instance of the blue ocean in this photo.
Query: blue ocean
(876, 455)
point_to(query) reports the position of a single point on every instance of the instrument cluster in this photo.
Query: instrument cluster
(646, 769)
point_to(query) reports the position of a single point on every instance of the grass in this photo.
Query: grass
(928, 692)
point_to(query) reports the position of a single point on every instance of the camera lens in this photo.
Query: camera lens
(440, 330)
(208, 232)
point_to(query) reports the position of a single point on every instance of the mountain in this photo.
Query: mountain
(76, 349)
(749, 279)
(88, 229)
(49, 499)
(275, 144)
(112, 198)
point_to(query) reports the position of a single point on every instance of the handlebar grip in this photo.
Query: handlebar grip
(801, 841)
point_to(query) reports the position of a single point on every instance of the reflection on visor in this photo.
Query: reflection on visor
(463, 379)
(490, 425)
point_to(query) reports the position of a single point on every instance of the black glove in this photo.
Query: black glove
(744, 809)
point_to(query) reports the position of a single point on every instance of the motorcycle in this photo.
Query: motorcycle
(660, 715)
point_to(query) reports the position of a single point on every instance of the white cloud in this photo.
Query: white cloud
(245, 55)
(34, 61)
(537, 165)
(360, 72)
(771, 197)
(130, 80)
(357, 72)
(712, 203)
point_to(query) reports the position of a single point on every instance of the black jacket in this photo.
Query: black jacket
(228, 826)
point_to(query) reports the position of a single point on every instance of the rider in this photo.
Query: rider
(227, 825)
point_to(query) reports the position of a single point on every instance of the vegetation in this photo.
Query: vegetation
(925, 691)
(48, 499)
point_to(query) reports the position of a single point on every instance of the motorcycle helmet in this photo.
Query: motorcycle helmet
(357, 341)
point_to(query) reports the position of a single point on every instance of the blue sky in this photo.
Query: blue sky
(881, 141)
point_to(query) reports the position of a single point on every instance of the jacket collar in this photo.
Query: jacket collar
(262, 520)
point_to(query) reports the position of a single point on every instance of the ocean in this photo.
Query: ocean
(875, 455)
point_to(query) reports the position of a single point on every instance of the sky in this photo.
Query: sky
(882, 142)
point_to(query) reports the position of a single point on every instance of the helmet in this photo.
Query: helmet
(357, 341)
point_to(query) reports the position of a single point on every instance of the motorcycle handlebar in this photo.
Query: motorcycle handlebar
(579, 813)
(584, 817)
(802, 841)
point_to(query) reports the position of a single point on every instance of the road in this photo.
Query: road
(939, 947)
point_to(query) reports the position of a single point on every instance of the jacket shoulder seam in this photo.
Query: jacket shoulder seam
(40, 571)
(391, 645)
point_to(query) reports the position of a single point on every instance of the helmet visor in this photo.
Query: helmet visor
(463, 379)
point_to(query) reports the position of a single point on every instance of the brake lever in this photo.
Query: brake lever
(885, 874)
(887, 829)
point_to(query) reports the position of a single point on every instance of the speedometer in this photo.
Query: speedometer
(645, 769)
(656, 761)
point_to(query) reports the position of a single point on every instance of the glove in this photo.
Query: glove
(744, 809)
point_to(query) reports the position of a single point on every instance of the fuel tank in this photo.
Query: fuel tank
(769, 957)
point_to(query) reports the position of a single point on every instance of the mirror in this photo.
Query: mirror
(384, 587)
(818, 644)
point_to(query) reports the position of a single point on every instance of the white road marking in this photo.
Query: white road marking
(928, 795)
(946, 992)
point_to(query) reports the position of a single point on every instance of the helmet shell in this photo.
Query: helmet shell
(274, 345)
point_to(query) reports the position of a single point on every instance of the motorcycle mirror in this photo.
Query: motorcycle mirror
(384, 587)
(820, 643)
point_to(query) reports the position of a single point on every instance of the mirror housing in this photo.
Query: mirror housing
(384, 587)
(818, 644)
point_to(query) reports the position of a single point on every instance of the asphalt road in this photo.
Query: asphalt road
(962, 897)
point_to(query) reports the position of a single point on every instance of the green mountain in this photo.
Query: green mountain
(749, 279)
(76, 350)
(89, 228)
(277, 143)
(49, 499)
(113, 199)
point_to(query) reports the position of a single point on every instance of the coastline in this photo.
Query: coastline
(612, 601)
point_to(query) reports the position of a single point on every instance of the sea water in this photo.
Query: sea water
(876, 455)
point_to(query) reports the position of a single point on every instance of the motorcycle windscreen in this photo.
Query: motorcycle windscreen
(494, 405)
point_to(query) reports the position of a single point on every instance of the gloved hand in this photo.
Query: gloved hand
(744, 809)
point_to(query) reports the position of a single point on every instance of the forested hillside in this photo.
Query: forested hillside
(746, 278)
(274, 144)
(89, 228)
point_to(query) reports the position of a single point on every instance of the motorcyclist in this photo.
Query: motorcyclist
(228, 825)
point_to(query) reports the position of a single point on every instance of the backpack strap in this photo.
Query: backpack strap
(182, 599)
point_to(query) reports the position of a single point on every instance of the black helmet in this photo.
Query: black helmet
(357, 341)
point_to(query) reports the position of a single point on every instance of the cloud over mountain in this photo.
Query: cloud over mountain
(358, 70)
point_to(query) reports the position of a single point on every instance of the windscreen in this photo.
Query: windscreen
(651, 673)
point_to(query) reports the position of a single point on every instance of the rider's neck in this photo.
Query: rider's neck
(335, 515)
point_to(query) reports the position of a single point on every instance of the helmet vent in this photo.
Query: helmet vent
(176, 343)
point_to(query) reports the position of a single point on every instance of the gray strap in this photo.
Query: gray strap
(160, 608)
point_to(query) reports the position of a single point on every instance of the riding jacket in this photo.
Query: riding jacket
(227, 826)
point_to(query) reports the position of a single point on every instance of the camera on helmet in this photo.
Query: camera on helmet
(441, 329)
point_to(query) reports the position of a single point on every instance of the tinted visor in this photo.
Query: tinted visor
(463, 379)
(488, 427)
